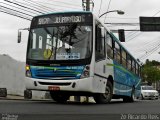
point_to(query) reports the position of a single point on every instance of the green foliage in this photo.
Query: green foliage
(151, 71)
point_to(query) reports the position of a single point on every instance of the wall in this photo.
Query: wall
(12, 75)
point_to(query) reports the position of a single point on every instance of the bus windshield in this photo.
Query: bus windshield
(65, 42)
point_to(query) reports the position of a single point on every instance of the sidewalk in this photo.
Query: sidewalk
(17, 97)
(12, 97)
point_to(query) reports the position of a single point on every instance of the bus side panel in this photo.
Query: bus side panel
(100, 78)
(138, 87)
(103, 69)
(124, 80)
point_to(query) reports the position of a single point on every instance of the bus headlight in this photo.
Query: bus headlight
(86, 72)
(28, 72)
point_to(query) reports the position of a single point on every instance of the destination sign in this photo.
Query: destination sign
(61, 18)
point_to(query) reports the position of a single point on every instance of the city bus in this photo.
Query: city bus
(74, 54)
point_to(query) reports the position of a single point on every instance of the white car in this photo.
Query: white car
(148, 92)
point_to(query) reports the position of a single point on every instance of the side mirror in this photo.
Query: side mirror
(19, 36)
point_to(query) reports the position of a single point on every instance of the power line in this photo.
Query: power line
(24, 6)
(15, 15)
(149, 52)
(16, 11)
(147, 47)
(107, 10)
(137, 34)
(40, 5)
(30, 4)
(50, 8)
(100, 8)
(67, 3)
(18, 8)
(57, 5)
(156, 13)
(26, 9)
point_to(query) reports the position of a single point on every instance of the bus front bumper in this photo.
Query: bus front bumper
(84, 85)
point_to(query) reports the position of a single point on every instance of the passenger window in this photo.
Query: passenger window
(137, 69)
(123, 57)
(109, 46)
(133, 66)
(117, 52)
(129, 62)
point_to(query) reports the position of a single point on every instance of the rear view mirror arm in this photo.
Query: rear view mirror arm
(20, 33)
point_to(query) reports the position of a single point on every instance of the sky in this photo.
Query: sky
(140, 44)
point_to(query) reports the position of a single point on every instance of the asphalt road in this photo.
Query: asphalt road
(49, 110)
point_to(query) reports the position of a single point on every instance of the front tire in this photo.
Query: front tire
(59, 97)
(106, 97)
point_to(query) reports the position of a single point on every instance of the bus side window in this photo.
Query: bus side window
(133, 66)
(117, 55)
(129, 62)
(109, 46)
(137, 71)
(99, 45)
(123, 57)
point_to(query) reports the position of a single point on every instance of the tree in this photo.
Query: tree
(150, 71)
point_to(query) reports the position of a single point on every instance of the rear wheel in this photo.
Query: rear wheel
(59, 97)
(130, 98)
(105, 97)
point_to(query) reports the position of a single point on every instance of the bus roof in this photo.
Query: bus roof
(64, 12)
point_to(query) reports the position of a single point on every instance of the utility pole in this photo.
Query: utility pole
(86, 5)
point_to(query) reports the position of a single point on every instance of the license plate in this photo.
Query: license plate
(53, 88)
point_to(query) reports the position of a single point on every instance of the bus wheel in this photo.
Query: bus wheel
(105, 97)
(131, 98)
(59, 97)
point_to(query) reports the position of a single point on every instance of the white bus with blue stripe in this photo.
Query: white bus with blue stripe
(72, 53)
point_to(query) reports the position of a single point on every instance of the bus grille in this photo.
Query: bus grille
(48, 83)
(54, 74)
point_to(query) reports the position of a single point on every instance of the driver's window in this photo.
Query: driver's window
(99, 43)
